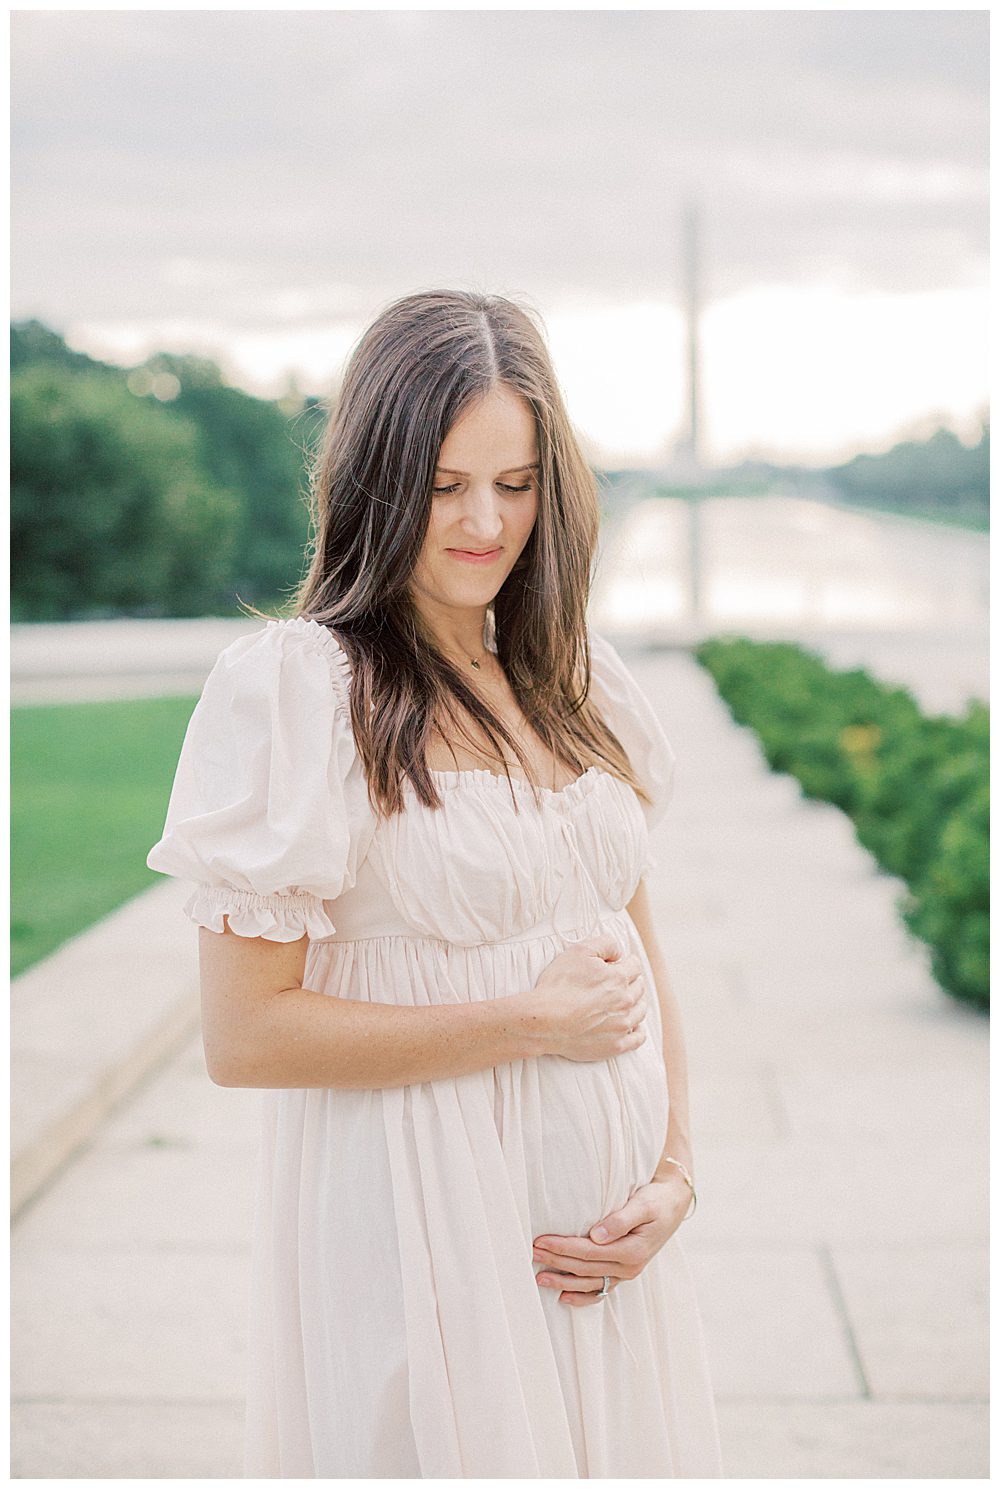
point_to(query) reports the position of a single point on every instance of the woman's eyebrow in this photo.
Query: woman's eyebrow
(510, 469)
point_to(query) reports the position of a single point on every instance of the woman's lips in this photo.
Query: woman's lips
(464, 556)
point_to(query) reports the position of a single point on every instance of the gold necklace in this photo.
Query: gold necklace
(475, 662)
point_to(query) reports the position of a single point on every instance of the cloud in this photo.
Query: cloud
(259, 183)
(548, 149)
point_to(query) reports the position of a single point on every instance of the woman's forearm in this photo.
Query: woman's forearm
(678, 1143)
(303, 1038)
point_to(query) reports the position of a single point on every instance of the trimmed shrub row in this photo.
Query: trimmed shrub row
(916, 786)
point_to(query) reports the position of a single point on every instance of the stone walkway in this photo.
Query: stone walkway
(839, 1111)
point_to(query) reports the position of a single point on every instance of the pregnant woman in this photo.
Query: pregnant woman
(417, 817)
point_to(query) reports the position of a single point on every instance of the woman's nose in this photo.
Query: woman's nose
(482, 517)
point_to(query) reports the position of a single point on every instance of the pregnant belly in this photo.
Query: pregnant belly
(593, 1131)
(578, 1137)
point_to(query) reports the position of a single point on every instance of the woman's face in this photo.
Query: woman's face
(485, 502)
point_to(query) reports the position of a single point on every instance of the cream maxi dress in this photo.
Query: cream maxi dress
(395, 1327)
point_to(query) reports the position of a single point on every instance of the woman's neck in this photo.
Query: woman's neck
(457, 634)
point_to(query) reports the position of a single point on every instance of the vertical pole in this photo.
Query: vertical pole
(691, 309)
(692, 454)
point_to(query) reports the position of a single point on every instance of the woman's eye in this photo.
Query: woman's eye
(446, 490)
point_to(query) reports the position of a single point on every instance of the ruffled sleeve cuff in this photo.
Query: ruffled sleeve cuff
(275, 917)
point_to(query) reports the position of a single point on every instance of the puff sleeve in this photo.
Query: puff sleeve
(631, 715)
(268, 814)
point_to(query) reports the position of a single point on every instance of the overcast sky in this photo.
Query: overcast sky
(269, 179)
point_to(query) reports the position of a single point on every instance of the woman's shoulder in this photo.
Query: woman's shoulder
(607, 665)
(614, 680)
(293, 647)
(269, 810)
(630, 712)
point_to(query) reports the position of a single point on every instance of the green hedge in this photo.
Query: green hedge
(915, 786)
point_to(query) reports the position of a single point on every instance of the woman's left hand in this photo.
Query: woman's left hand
(635, 1233)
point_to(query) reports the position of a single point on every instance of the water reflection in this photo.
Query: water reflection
(780, 561)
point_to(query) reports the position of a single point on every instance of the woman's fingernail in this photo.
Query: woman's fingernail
(599, 1233)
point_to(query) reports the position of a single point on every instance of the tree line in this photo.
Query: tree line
(151, 491)
(936, 474)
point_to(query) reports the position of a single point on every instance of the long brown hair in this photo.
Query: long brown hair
(420, 364)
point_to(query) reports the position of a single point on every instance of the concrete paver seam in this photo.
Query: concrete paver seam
(843, 1314)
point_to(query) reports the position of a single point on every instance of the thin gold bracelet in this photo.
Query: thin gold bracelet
(690, 1185)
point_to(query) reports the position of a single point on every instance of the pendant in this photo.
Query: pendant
(474, 663)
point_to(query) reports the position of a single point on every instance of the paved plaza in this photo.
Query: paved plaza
(839, 1115)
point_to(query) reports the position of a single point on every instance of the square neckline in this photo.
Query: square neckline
(453, 779)
(476, 774)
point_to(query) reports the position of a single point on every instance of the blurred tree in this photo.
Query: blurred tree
(31, 343)
(246, 445)
(937, 472)
(154, 490)
(111, 511)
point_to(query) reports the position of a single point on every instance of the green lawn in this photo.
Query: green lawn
(89, 790)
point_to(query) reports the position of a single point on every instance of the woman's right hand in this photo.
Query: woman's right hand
(589, 1003)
